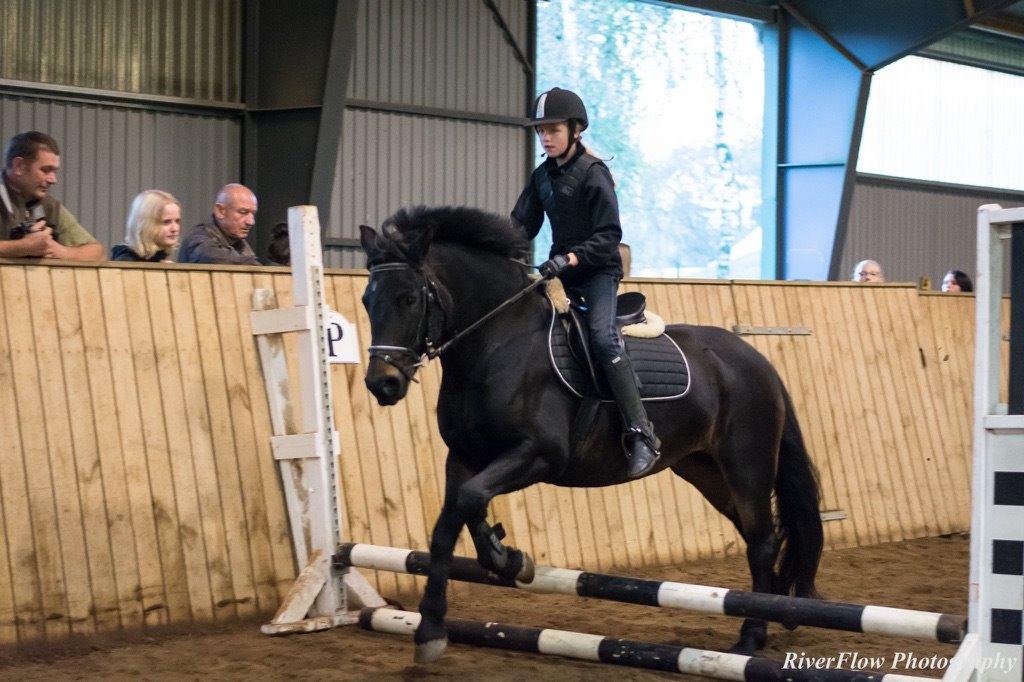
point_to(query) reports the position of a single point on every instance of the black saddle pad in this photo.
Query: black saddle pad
(658, 362)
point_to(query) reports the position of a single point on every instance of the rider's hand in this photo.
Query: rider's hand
(554, 267)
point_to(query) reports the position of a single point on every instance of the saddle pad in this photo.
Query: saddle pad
(659, 363)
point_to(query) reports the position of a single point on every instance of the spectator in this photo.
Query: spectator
(222, 240)
(32, 223)
(279, 250)
(868, 271)
(152, 228)
(956, 281)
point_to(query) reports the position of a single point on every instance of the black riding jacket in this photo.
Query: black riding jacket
(579, 199)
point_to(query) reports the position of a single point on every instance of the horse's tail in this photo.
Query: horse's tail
(798, 497)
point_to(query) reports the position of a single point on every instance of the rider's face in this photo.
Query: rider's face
(554, 137)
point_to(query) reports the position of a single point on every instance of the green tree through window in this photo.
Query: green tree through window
(676, 102)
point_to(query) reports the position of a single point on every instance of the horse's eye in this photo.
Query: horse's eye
(410, 299)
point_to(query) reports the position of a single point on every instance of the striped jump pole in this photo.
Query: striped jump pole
(790, 611)
(586, 647)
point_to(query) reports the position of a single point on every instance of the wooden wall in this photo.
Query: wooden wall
(137, 486)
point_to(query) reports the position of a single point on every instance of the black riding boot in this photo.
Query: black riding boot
(639, 441)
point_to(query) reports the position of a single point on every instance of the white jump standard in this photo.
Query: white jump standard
(790, 611)
(587, 647)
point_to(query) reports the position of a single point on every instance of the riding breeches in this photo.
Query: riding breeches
(598, 293)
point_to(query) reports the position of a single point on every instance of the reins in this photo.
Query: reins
(450, 342)
(429, 288)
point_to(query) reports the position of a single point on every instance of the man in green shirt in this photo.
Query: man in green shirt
(32, 223)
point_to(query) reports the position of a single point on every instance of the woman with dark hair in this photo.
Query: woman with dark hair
(957, 281)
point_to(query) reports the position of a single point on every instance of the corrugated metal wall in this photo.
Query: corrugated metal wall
(916, 229)
(393, 160)
(432, 113)
(110, 153)
(179, 48)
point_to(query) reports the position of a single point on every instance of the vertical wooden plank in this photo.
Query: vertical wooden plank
(56, 418)
(25, 622)
(197, 433)
(346, 378)
(933, 420)
(833, 444)
(934, 431)
(28, 375)
(891, 387)
(157, 453)
(150, 590)
(552, 524)
(378, 505)
(211, 357)
(813, 412)
(237, 343)
(858, 376)
(114, 477)
(278, 531)
(88, 470)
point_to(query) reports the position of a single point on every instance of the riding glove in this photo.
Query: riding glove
(554, 267)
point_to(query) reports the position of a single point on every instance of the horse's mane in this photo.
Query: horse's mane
(422, 225)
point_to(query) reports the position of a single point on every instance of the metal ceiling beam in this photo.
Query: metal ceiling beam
(832, 49)
(1001, 23)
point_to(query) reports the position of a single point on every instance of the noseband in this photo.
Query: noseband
(431, 302)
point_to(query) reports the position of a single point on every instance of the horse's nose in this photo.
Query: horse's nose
(387, 389)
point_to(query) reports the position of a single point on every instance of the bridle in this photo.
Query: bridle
(431, 302)
(427, 332)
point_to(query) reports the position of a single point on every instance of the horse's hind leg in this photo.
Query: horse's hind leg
(431, 636)
(742, 494)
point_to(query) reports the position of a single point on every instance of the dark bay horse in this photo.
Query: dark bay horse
(508, 422)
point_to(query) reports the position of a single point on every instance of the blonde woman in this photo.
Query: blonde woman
(152, 228)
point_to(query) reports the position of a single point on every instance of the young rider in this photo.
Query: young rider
(576, 191)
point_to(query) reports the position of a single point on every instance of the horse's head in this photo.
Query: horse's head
(404, 306)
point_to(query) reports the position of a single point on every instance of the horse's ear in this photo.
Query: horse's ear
(368, 238)
(416, 245)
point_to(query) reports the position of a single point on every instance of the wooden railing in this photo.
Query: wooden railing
(137, 486)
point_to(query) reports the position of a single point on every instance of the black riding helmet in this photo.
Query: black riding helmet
(557, 105)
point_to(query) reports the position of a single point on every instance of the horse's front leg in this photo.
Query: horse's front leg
(514, 470)
(431, 637)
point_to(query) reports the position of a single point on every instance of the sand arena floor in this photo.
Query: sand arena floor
(928, 574)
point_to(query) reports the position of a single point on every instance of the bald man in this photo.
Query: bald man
(869, 272)
(222, 240)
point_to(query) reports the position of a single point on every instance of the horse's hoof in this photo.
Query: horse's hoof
(428, 652)
(527, 570)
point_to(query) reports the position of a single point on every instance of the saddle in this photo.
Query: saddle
(659, 363)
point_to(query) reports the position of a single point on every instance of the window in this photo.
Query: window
(676, 103)
(936, 120)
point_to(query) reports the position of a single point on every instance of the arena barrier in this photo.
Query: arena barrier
(587, 647)
(790, 611)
